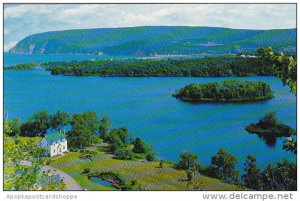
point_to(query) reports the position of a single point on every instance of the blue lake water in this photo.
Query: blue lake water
(102, 182)
(14, 59)
(145, 106)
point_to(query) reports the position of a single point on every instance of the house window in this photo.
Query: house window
(64, 147)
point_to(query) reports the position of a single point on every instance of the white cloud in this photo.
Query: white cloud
(25, 9)
(9, 45)
(6, 31)
(85, 9)
(22, 20)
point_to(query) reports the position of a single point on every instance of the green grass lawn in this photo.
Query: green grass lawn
(148, 174)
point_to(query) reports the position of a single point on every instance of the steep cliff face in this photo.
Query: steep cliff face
(155, 40)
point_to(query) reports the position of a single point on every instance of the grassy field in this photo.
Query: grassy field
(147, 174)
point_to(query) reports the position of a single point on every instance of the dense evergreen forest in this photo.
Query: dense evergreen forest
(213, 66)
(221, 66)
(226, 91)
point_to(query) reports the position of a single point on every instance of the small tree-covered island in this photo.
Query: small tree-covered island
(225, 91)
(269, 125)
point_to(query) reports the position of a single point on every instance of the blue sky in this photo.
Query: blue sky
(22, 20)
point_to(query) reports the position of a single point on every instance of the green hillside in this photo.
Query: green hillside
(147, 174)
(156, 40)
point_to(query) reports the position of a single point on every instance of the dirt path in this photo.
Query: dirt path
(71, 184)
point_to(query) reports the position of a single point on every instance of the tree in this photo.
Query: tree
(290, 145)
(285, 66)
(139, 146)
(124, 135)
(187, 161)
(150, 156)
(223, 166)
(22, 177)
(270, 128)
(36, 125)
(124, 154)
(213, 66)
(105, 125)
(59, 120)
(268, 120)
(286, 70)
(116, 143)
(252, 178)
(84, 127)
(7, 129)
(281, 177)
(15, 126)
(41, 118)
(118, 138)
(30, 129)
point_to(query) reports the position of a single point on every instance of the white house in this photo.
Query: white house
(54, 144)
(248, 56)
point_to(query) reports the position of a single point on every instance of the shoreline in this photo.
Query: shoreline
(222, 102)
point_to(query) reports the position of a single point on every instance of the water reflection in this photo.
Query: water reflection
(269, 139)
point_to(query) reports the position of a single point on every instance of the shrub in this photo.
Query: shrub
(161, 164)
(150, 156)
(93, 153)
(72, 149)
(201, 168)
(47, 161)
(86, 170)
(86, 156)
(123, 154)
(132, 186)
(190, 175)
(187, 161)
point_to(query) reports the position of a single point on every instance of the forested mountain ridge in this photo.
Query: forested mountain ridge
(156, 40)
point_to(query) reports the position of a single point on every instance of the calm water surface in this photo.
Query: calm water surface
(14, 59)
(145, 106)
(102, 182)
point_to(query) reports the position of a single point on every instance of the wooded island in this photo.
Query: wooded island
(225, 91)
(219, 66)
(269, 125)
